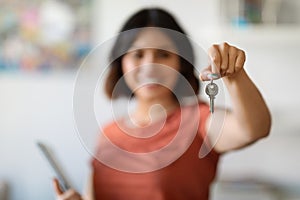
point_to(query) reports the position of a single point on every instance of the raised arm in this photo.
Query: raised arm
(249, 119)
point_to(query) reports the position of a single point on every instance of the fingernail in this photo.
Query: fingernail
(213, 76)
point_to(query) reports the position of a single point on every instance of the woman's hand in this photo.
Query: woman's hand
(68, 195)
(247, 121)
(226, 61)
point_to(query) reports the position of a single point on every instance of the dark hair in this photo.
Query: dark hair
(153, 17)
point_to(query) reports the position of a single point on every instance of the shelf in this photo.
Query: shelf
(259, 34)
(263, 34)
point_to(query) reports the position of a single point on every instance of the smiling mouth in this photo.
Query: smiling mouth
(149, 81)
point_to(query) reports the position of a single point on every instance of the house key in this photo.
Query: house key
(211, 90)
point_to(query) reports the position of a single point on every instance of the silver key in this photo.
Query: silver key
(211, 90)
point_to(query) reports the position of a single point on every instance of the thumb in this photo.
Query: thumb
(57, 187)
(207, 74)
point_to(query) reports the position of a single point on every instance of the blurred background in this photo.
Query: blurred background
(43, 43)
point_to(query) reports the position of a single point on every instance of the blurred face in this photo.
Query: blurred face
(151, 66)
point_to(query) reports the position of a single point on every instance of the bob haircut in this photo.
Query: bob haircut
(153, 17)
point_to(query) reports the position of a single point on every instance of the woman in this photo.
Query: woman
(157, 71)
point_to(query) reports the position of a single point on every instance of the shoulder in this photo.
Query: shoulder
(196, 114)
(110, 127)
(204, 107)
(204, 116)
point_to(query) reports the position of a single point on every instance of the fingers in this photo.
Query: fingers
(212, 71)
(226, 60)
(232, 60)
(68, 195)
(57, 188)
(207, 75)
(215, 58)
(224, 52)
(240, 60)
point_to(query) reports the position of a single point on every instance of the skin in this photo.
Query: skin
(142, 63)
(248, 121)
(69, 194)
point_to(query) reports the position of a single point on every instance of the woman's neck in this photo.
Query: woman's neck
(152, 110)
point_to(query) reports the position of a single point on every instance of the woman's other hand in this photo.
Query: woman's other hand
(68, 195)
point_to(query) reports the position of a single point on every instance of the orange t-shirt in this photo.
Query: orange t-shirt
(161, 175)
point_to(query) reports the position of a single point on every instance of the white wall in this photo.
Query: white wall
(111, 15)
(39, 107)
